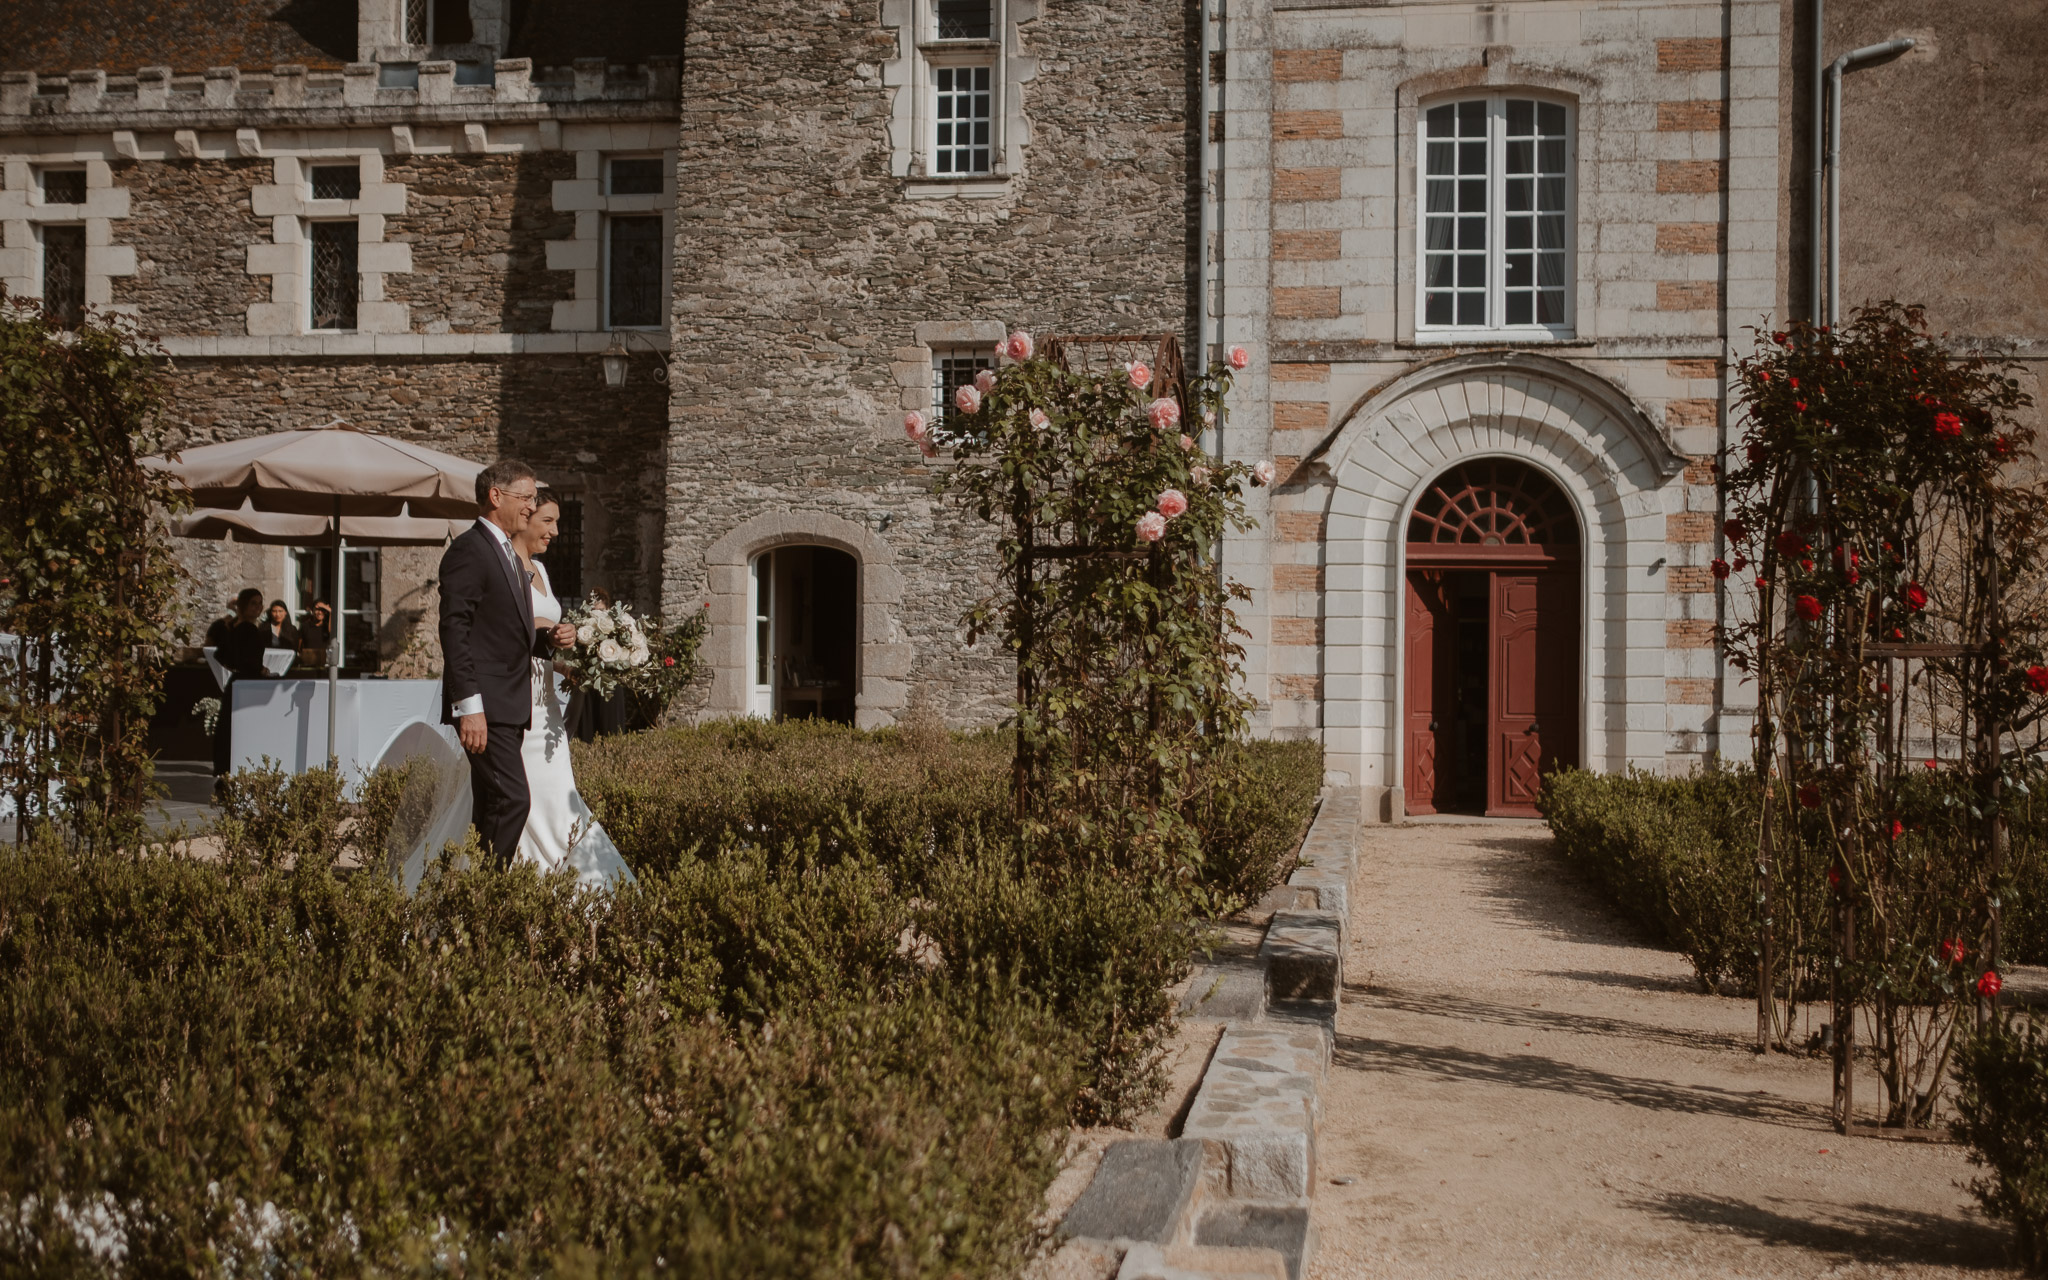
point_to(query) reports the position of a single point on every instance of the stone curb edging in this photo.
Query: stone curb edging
(1230, 1196)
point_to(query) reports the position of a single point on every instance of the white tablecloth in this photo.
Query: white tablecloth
(286, 721)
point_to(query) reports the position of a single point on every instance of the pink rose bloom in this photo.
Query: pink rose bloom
(1164, 412)
(913, 425)
(1039, 420)
(1019, 346)
(1151, 526)
(1239, 357)
(1262, 472)
(1140, 374)
(926, 447)
(985, 381)
(1200, 475)
(967, 400)
(1173, 503)
(1187, 444)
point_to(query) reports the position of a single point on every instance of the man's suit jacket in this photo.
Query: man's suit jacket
(487, 633)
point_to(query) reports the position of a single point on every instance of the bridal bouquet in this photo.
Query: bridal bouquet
(611, 647)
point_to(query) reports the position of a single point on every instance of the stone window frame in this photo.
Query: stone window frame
(287, 258)
(1584, 97)
(585, 253)
(1496, 100)
(911, 73)
(915, 367)
(22, 211)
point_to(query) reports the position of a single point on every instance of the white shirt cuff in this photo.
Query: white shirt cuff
(473, 705)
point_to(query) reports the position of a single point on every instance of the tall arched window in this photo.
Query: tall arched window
(1495, 225)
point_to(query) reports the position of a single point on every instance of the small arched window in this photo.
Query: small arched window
(1492, 507)
(1496, 217)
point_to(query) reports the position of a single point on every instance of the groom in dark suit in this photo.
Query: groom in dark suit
(488, 641)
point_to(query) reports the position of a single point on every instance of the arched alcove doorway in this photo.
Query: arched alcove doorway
(803, 636)
(1491, 669)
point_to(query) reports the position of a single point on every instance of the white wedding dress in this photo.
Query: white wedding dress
(560, 830)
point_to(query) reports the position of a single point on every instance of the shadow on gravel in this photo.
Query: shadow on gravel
(1534, 1071)
(1463, 1009)
(1860, 1232)
(1535, 888)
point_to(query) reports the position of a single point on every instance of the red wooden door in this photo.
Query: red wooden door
(1420, 701)
(1534, 720)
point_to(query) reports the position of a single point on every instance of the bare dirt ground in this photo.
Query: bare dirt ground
(1523, 1087)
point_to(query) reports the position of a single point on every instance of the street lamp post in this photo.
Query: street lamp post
(1869, 55)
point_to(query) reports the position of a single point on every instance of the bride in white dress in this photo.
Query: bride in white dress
(561, 833)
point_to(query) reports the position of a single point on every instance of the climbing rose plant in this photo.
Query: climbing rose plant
(1874, 504)
(1109, 512)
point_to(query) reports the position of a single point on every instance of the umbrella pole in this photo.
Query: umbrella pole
(334, 642)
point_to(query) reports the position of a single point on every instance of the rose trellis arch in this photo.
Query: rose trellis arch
(1614, 468)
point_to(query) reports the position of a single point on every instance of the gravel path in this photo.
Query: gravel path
(1523, 1088)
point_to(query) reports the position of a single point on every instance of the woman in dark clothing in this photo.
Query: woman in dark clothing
(277, 628)
(241, 653)
(317, 628)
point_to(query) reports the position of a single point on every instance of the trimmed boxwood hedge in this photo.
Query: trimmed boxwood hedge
(844, 1041)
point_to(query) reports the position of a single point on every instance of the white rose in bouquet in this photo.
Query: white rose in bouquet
(638, 653)
(601, 621)
(609, 652)
(586, 635)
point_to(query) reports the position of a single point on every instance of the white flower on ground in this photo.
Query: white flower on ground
(1262, 472)
(1151, 526)
(967, 400)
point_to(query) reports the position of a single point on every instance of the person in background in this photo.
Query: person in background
(317, 627)
(277, 628)
(241, 652)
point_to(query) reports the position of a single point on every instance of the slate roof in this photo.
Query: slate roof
(54, 36)
(51, 37)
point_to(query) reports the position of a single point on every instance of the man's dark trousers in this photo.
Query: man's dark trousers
(497, 781)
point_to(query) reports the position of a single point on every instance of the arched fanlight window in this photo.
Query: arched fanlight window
(1494, 507)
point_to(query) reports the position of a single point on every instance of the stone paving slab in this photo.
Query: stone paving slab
(1140, 1192)
(1260, 1102)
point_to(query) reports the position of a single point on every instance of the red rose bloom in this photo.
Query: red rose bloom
(1934, 764)
(1799, 405)
(1809, 608)
(1734, 531)
(1947, 424)
(1953, 950)
(1806, 565)
(1899, 829)
(1834, 877)
(668, 662)
(1809, 796)
(1795, 383)
(1720, 568)
(2038, 677)
(1763, 375)
(1790, 543)
(1990, 984)
(1916, 596)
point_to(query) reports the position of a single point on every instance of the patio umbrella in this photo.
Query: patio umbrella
(327, 470)
(333, 473)
(246, 525)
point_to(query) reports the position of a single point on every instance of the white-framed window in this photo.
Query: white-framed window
(1495, 222)
(953, 368)
(335, 274)
(761, 649)
(963, 120)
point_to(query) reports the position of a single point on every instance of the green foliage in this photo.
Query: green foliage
(2002, 1115)
(1250, 809)
(672, 662)
(86, 577)
(1677, 854)
(1114, 610)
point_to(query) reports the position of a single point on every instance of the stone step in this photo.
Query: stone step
(1260, 1105)
(1283, 1228)
(1143, 1191)
(1202, 1262)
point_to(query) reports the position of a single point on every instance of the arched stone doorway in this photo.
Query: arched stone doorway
(1490, 672)
(881, 654)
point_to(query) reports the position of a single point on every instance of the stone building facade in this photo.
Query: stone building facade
(384, 213)
(1504, 249)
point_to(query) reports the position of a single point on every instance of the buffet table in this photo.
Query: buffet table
(286, 721)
